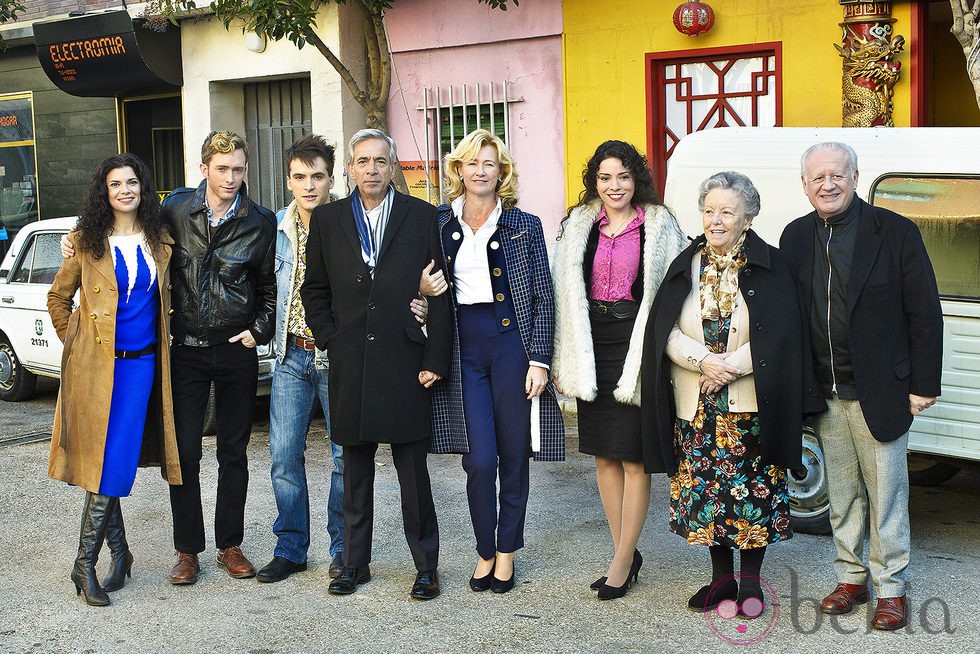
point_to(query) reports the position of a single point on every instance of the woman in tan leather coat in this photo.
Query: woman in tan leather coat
(114, 410)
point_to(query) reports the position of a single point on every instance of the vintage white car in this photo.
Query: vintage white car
(29, 346)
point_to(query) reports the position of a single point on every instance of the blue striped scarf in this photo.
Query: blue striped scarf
(371, 238)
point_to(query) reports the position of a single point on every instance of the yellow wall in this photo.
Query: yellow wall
(605, 76)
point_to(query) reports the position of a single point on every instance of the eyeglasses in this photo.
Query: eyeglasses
(834, 179)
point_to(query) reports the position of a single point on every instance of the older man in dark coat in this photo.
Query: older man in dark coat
(876, 330)
(364, 256)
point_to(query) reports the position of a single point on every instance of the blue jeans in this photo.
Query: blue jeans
(296, 384)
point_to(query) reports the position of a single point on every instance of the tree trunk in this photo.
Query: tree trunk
(376, 117)
(965, 29)
(374, 100)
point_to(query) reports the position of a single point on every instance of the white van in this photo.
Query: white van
(930, 175)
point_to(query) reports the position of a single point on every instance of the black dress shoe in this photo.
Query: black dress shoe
(278, 569)
(710, 596)
(483, 583)
(500, 586)
(336, 565)
(751, 602)
(348, 580)
(426, 585)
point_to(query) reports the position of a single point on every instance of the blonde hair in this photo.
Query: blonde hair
(467, 150)
(222, 142)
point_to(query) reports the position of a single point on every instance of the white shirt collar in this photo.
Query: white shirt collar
(491, 224)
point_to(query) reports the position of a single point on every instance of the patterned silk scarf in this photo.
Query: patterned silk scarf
(719, 281)
(371, 237)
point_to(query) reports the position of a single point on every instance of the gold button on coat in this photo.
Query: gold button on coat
(497, 272)
(170, 312)
(500, 297)
(505, 322)
(92, 315)
(96, 289)
(98, 340)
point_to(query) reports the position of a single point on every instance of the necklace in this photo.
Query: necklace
(613, 233)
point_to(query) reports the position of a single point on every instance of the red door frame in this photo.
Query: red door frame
(654, 61)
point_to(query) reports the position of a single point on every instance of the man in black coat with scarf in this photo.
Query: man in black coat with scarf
(364, 254)
(876, 331)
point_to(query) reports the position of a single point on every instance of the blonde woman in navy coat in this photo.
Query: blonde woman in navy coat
(498, 405)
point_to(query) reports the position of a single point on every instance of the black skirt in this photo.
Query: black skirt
(607, 427)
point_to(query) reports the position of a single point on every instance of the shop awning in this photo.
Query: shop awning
(107, 55)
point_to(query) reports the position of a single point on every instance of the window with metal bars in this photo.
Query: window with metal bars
(276, 114)
(455, 111)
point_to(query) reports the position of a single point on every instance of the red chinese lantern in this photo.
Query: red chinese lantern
(694, 18)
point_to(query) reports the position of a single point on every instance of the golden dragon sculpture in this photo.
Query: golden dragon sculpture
(868, 80)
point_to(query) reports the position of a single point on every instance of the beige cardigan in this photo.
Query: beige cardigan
(686, 348)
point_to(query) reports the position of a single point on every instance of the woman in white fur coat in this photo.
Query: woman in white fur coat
(612, 253)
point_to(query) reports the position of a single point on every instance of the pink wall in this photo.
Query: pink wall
(471, 44)
(430, 24)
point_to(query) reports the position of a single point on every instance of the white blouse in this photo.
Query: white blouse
(471, 273)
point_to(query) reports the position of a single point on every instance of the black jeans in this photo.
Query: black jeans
(234, 370)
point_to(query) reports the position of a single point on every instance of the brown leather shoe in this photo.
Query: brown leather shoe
(185, 572)
(890, 614)
(238, 566)
(844, 598)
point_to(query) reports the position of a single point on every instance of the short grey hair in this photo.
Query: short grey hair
(367, 135)
(732, 181)
(833, 146)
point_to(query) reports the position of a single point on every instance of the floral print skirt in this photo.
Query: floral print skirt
(723, 494)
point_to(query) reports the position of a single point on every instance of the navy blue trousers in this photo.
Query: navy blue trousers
(498, 415)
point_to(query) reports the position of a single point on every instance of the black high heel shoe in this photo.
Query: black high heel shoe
(634, 570)
(484, 582)
(607, 592)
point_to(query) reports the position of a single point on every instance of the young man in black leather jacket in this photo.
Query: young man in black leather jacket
(224, 295)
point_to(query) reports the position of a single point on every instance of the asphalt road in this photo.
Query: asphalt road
(551, 610)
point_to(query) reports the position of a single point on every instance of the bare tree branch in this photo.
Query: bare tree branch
(965, 29)
(342, 70)
(373, 56)
(384, 53)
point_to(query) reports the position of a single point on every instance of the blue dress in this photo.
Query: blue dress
(136, 321)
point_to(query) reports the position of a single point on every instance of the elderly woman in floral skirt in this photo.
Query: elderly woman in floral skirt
(727, 341)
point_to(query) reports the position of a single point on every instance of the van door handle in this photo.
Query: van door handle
(8, 299)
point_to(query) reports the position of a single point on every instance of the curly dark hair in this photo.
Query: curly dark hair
(95, 219)
(644, 192)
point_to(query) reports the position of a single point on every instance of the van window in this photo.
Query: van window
(947, 210)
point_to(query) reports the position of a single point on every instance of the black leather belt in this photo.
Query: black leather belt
(136, 354)
(618, 310)
(299, 341)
